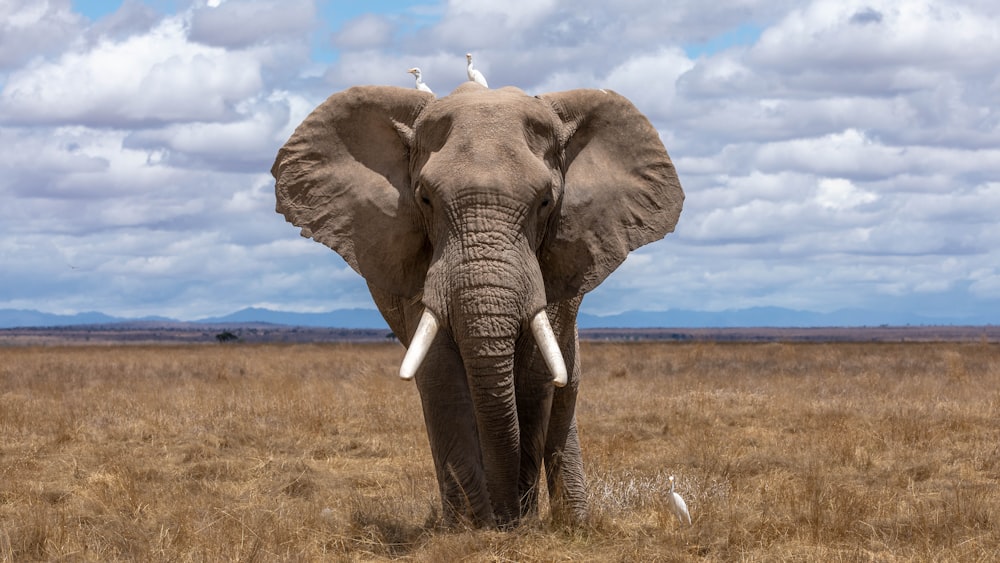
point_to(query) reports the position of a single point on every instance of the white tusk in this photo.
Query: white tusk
(547, 343)
(426, 330)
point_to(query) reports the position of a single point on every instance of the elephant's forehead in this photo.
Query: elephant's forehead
(488, 127)
(486, 138)
(483, 112)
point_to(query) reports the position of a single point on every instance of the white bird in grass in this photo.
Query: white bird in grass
(475, 75)
(677, 504)
(420, 82)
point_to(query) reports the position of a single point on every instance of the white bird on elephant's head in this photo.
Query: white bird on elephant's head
(474, 74)
(415, 71)
(677, 504)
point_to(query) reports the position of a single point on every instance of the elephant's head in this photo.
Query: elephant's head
(475, 212)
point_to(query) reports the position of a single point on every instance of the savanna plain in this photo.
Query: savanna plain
(317, 452)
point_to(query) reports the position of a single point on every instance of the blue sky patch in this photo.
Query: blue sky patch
(96, 9)
(746, 34)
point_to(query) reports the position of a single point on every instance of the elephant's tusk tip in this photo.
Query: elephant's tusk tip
(559, 380)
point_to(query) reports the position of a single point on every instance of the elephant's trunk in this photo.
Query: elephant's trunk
(486, 330)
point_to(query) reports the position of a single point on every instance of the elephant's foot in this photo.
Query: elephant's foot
(568, 512)
(465, 507)
(459, 519)
(564, 509)
(567, 484)
(455, 518)
(461, 510)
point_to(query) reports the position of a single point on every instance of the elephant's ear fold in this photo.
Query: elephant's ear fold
(343, 177)
(621, 191)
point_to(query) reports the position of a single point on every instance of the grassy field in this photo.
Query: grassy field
(794, 452)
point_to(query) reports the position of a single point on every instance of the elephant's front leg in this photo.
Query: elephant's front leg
(548, 433)
(564, 462)
(454, 440)
(534, 405)
(563, 458)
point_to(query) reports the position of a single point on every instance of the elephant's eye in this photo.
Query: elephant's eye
(422, 195)
(545, 202)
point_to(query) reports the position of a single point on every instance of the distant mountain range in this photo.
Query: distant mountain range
(772, 317)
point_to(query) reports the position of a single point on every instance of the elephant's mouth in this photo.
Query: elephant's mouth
(427, 329)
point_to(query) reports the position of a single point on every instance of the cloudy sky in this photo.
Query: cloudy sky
(835, 153)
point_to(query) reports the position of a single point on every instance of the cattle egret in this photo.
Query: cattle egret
(475, 75)
(677, 504)
(420, 82)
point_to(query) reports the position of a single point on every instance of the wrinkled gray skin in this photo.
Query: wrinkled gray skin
(484, 207)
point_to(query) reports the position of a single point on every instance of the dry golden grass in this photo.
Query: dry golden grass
(794, 452)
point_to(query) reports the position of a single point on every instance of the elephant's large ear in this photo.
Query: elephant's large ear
(343, 177)
(621, 191)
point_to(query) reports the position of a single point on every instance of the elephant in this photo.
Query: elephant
(478, 221)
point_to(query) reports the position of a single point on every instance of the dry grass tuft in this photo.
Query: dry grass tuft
(885, 452)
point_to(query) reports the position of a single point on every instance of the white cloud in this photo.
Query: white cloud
(516, 13)
(248, 22)
(483, 23)
(132, 18)
(986, 283)
(156, 77)
(839, 194)
(863, 34)
(722, 76)
(368, 30)
(246, 143)
(30, 29)
(649, 80)
(852, 154)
